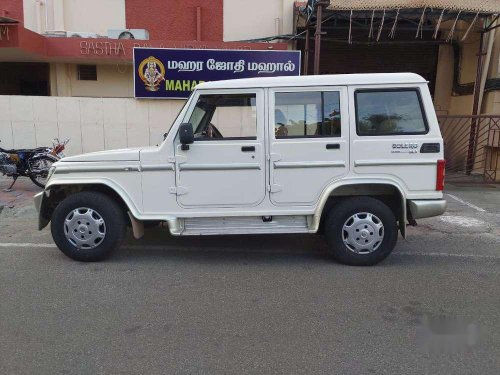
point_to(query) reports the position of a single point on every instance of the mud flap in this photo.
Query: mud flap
(402, 219)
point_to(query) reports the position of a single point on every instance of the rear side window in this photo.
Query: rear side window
(307, 114)
(389, 112)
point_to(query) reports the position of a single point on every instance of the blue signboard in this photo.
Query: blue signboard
(173, 73)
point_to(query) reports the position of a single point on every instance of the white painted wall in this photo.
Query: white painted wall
(93, 124)
(95, 16)
(245, 19)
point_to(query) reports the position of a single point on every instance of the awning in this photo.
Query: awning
(481, 6)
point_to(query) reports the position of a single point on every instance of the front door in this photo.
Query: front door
(309, 142)
(224, 167)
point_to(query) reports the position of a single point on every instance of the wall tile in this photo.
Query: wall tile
(92, 137)
(5, 108)
(137, 111)
(68, 109)
(114, 110)
(91, 110)
(72, 130)
(44, 109)
(115, 135)
(46, 131)
(156, 132)
(6, 134)
(21, 108)
(159, 112)
(24, 134)
(137, 135)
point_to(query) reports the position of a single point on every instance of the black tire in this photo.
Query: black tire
(47, 160)
(149, 224)
(107, 209)
(335, 234)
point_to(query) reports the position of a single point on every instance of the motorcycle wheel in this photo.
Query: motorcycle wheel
(39, 169)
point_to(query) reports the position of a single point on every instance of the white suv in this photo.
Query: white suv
(353, 157)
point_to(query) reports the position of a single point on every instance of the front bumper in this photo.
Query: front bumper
(38, 201)
(426, 208)
(38, 198)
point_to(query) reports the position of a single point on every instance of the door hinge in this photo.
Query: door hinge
(274, 188)
(179, 159)
(178, 190)
(274, 157)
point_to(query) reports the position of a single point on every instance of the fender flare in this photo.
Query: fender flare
(54, 182)
(357, 181)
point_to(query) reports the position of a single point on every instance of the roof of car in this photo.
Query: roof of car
(316, 80)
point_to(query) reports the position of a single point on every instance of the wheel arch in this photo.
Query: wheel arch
(56, 191)
(388, 191)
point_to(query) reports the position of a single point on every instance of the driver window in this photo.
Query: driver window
(225, 116)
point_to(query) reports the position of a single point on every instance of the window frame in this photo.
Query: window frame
(391, 89)
(308, 89)
(226, 92)
(84, 77)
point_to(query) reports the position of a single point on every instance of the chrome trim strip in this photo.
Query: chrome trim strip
(215, 167)
(309, 164)
(61, 170)
(376, 163)
(166, 167)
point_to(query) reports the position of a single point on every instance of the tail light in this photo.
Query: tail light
(440, 175)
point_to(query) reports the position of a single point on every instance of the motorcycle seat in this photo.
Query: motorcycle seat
(25, 150)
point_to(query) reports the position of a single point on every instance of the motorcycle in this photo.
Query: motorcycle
(33, 163)
(58, 147)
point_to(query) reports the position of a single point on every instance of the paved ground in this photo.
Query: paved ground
(254, 304)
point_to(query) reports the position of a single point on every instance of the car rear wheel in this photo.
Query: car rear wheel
(361, 231)
(88, 226)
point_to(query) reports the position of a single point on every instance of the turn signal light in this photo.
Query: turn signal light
(440, 175)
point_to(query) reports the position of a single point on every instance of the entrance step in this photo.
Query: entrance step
(245, 225)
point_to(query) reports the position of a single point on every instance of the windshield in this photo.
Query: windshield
(178, 113)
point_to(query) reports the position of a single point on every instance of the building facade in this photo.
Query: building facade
(66, 65)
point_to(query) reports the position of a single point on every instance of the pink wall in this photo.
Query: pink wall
(12, 9)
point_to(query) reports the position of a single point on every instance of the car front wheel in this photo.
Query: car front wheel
(88, 226)
(361, 231)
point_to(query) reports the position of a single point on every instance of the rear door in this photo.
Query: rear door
(309, 142)
(224, 167)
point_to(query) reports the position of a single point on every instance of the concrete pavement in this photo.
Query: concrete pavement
(256, 304)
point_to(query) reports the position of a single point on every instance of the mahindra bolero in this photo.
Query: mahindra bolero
(355, 158)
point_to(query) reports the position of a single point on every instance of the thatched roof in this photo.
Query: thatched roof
(481, 6)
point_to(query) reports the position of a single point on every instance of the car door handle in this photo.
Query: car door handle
(332, 146)
(247, 148)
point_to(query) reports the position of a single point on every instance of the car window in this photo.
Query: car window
(390, 112)
(225, 116)
(307, 114)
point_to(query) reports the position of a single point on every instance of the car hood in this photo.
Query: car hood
(125, 154)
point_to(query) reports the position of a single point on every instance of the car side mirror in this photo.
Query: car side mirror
(186, 135)
(165, 136)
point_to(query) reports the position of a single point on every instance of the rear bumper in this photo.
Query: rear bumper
(426, 208)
